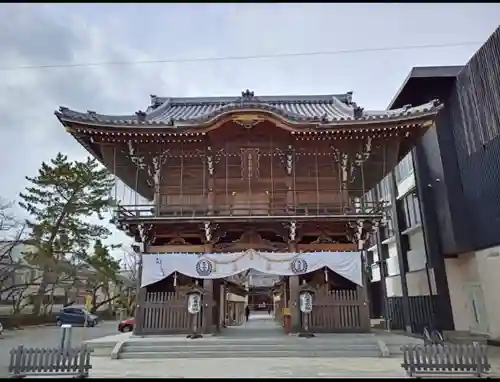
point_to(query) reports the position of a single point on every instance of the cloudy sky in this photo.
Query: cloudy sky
(50, 34)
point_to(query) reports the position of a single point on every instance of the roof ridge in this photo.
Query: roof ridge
(265, 99)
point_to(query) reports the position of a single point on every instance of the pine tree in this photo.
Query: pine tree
(105, 270)
(60, 200)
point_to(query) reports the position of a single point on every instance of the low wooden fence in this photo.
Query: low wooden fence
(44, 362)
(341, 310)
(164, 313)
(448, 360)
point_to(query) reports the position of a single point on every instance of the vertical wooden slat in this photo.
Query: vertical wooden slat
(43, 361)
(474, 119)
(339, 311)
(165, 312)
(439, 359)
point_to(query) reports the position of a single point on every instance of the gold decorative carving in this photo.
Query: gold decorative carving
(177, 240)
(247, 120)
(323, 239)
(250, 239)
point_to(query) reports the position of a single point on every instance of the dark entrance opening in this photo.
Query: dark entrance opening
(376, 295)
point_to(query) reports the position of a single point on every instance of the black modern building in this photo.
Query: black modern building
(449, 191)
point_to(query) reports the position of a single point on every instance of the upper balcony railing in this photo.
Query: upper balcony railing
(175, 212)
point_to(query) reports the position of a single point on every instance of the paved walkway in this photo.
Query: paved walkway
(260, 324)
(255, 368)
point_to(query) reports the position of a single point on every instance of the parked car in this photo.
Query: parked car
(126, 325)
(1, 328)
(76, 316)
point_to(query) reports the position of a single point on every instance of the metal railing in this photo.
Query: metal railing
(132, 212)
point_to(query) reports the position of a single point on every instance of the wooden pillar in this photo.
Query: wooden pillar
(139, 311)
(140, 299)
(217, 287)
(211, 195)
(208, 303)
(363, 297)
(226, 308)
(223, 306)
(293, 298)
(208, 300)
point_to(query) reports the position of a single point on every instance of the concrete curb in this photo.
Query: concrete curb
(115, 353)
(28, 327)
(384, 350)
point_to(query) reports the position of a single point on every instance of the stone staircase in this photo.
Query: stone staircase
(258, 338)
(219, 347)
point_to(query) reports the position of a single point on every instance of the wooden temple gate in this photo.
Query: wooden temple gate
(293, 170)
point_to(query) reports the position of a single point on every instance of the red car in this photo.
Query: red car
(126, 325)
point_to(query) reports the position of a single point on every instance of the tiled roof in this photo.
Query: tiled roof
(322, 109)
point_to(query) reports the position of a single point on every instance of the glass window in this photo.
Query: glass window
(411, 210)
(385, 190)
(404, 168)
(389, 226)
(416, 206)
(406, 214)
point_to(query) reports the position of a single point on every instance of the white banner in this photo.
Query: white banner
(157, 266)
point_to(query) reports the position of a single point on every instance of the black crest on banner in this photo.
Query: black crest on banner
(204, 267)
(299, 266)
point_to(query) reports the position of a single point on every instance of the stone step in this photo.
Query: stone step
(101, 349)
(468, 340)
(228, 353)
(247, 347)
(219, 341)
(465, 337)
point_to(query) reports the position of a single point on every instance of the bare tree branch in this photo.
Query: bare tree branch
(130, 264)
(21, 275)
(12, 267)
(7, 219)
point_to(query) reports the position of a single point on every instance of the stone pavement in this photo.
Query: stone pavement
(255, 368)
(249, 368)
(259, 327)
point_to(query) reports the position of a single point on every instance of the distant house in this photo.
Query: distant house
(19, 278)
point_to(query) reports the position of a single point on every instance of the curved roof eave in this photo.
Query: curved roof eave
(397, 115)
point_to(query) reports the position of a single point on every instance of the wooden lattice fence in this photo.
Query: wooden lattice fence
(163, 313)
(343, 310)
